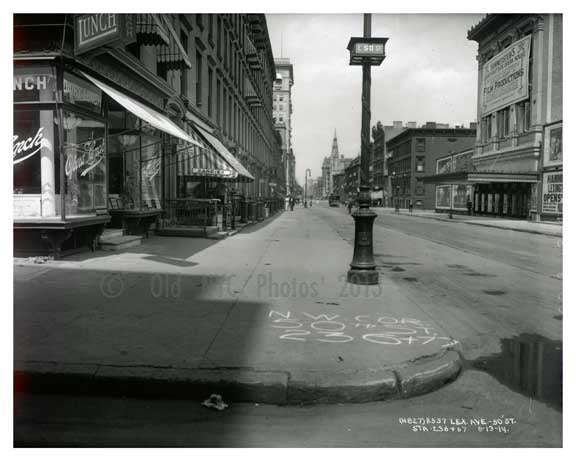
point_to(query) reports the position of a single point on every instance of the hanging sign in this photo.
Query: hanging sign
(98, 29)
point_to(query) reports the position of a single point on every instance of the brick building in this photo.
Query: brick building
(413, 156)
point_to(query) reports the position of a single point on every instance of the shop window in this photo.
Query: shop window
(85, 167)
(134, 161)
(150, 168)
(34, 136)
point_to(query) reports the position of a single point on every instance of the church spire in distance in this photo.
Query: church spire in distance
(334, 145)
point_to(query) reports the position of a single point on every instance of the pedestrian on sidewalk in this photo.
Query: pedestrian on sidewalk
(292, 200)
(469, 205)
(410, 206)
(349, 206)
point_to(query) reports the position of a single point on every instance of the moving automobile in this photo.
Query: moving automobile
(334, 200)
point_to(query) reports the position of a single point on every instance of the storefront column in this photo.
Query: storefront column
(47, 175)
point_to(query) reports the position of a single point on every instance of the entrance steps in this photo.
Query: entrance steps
(115, 240)
(188, 231)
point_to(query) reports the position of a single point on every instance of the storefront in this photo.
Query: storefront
(59, 159)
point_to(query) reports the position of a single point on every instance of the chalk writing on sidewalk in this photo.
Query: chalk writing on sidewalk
(501, 424)
(376, 329)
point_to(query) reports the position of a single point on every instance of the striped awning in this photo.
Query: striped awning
(172, 56)
(150, 30)
(194, 161)
(243, 174)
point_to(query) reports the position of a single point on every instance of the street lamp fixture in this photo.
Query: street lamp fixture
(307, 173)
(365, 51)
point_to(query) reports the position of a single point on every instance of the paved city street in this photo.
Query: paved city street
(201, 305)
(297, 229)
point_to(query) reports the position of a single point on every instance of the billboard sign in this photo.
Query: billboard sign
(505, 77)
(552, 193)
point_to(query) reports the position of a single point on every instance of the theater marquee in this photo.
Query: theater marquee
(505, 77)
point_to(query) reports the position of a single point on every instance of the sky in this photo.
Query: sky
(429, 74)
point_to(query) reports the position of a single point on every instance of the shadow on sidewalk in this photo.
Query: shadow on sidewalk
(262, 224)
(165, 248)
(140, 332)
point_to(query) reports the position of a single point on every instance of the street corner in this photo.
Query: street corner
(427, 374)
(347, 386)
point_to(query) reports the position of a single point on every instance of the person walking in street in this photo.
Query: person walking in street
(349, 206)
(292, 200)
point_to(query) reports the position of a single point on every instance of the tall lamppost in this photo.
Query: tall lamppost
(365, 51)
(307, 174)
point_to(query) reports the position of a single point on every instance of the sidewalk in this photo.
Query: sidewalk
(521, 225)
(264, 316)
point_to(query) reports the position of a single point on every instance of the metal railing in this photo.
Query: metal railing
(191, 212)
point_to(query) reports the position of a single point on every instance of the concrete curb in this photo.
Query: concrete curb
(479, 223)
(241, 385)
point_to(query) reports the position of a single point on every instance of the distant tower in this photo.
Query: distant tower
(334, 145)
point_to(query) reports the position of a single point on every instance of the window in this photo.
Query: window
(85, 168)
(523, 116)
(224, 111)
(200, 21)
(218, 102)
(31, 128)
(184, 70)
(230, 127)
(503, 122)
(210, 18)
(419, 186)
(420, 164)
(281, 98)
(219, 36)
(420, 144)
(486, 127)
(134, 158)
(198, 78)
(210, 89)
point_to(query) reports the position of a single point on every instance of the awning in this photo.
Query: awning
(476, 177)
(203, 162)
(156, 119)
(150, 30)
(244, 174)
(173, 56)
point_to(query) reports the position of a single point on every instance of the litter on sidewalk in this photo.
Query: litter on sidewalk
(215, 401)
